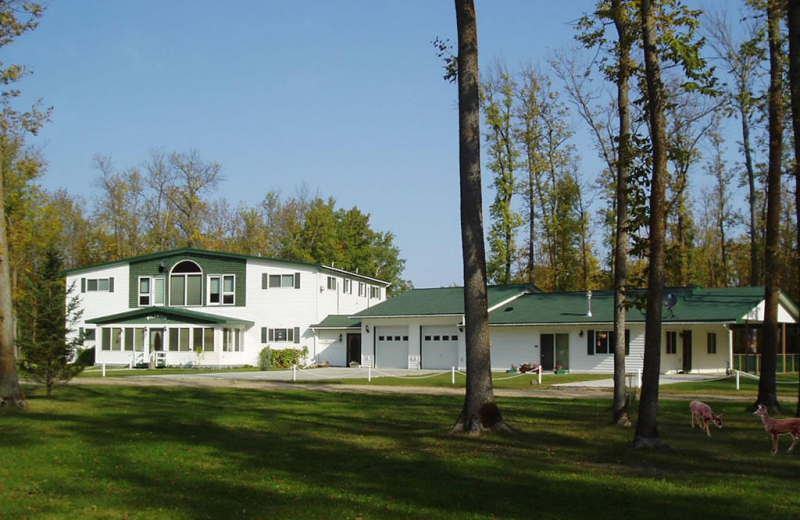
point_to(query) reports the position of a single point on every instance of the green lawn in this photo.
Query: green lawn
(194, 453)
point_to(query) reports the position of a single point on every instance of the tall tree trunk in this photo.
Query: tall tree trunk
(647, 425)
(794, 83)
(621, 416)
(480, 412)
(767, 387)
(9, 382)
(751, 197)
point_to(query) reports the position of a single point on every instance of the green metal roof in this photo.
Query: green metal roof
(445, 301)
(214, 254)
(723, 305)
(167, 315)
(338, 321)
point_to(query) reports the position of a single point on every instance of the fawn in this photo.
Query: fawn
(777, 427)
(701, 411)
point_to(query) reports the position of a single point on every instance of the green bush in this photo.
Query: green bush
(85, 357)
(287, 357)
(265, 358)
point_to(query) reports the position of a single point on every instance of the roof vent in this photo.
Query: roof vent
(508, 309)
(589, 304)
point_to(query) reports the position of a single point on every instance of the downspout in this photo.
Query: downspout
(730, 347)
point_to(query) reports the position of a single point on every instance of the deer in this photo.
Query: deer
(701, 411)
(777, 427)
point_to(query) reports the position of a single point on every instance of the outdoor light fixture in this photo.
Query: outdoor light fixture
(367, 327)
(580, 333)
(340, 337)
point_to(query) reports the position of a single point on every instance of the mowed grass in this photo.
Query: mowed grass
(193, 453)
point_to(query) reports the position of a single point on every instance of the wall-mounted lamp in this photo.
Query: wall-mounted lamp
(162, 266)
(580, 333)
(340, 337)
(367, 327)
(460, 328)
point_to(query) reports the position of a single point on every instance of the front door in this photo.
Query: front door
(548, 342)
(156, 340)
(353, 348)
(687, 351)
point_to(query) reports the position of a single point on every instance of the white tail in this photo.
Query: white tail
(701, 411)
(777, 427)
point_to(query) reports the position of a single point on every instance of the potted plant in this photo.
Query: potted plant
(559, 370)
(355, 364)
(512, 370)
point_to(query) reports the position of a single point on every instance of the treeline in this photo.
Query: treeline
(553, 223)
(167, 202)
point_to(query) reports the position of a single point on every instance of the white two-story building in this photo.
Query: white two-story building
(195, 307)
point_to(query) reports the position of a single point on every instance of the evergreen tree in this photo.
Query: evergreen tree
(47, 316)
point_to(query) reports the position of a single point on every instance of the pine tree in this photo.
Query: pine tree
(47, 316)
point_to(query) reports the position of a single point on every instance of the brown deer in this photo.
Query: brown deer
(777, 427)
(701, 411)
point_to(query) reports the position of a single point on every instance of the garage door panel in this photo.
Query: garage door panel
(391, 348)
(439, 348)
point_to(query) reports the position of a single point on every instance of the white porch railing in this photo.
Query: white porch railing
(158, 359)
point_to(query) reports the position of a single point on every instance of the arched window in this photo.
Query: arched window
(186, 284)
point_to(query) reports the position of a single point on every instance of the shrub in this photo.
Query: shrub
(265, 358)
(85, 357)
(287, 357)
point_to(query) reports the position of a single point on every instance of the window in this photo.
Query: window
(158, 291)
(97, 285)
(672, 342)
(284, 280)
(144, 291)
(116, 338)
(89, 334)
(711, 342)
(231, 340)
(375, 292)
(288, 335)
(362, 289)
(105, 338)
(332, 283)
(221, 290)
(602, 341)
(347, 286)
(186, 284)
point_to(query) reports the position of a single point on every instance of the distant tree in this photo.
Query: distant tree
(793, 17)
(480, 411)
(767, 384)
(193, 177)
(47, 316)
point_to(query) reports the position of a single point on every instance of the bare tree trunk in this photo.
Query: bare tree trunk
(9, 382)
(767, 386)
(794, 83)
(647, 425)
(751, 199)
(480, 412)
(621, 416)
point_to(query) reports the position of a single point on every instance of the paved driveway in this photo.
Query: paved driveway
(314, 374)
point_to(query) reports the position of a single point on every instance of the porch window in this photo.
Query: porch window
(105, 338)
(116, 338)
(208, 340)
(138, 339)
(672, 342)
(711, 342)
(128, 338)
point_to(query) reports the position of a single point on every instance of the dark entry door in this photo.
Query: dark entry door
(687, 351)
(548, 345)
(353, 348)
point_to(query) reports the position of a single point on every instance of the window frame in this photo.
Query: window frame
(671, 342)
(186, 276)
(222, 293)
(148, 295)
(711, 343)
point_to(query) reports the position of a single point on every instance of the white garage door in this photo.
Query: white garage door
(391, 347)
(439, 348)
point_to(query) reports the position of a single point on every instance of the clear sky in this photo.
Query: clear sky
(346, 97)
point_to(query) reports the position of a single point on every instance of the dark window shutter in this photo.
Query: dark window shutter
(83, 284)
(296, 280)
(297, 334)
(110, 285)
(263, 334)
(264, 280)
(590, 342)
(627, 342)
(271, 335)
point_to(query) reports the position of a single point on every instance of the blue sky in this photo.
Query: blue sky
(345, 97)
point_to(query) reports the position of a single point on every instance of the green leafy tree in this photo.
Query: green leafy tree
(47, 318)
(16, 18)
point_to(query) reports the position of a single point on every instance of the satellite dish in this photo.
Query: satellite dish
(670, 300)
